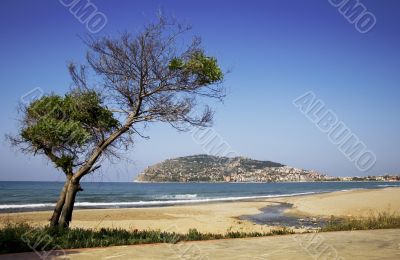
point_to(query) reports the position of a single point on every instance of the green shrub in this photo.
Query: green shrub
(383, 220)
(23, 237)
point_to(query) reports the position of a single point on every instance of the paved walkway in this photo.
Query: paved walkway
(376, 244)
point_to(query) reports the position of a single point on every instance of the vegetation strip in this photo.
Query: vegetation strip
(19, 237)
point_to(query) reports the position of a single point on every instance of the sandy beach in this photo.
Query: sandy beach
(224, 216)
(355, 203)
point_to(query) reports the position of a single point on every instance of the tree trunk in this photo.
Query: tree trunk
(60, 203)
(66, 213)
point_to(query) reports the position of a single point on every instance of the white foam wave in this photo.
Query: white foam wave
(179, 196)
(388, 185)
(150, 203)
(354, 189)
(25, 206)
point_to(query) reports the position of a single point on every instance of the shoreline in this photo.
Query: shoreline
(101, 205)
(149, 204)
(220, 217)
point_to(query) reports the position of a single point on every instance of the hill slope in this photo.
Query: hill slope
(207, 168)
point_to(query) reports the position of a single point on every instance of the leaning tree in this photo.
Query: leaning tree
(127, 83)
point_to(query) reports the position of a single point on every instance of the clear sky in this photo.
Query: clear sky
(277, 50)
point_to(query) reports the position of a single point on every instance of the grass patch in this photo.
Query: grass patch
(384, 220)
(24, 238)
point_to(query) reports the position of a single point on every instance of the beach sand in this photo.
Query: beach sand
(355, 203)
(224, 216)
(213, 217)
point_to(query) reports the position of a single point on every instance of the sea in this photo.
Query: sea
(36, 196)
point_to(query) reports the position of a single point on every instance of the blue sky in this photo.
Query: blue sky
(276, 50)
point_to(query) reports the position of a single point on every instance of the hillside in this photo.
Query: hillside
(207, 168)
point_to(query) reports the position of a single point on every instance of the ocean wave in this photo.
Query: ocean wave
(388, 185)
(26, 206)
(178, 196)
(354, 189)
(151, 203)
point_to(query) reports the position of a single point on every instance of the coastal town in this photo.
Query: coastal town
(207, 168)
(276, 174)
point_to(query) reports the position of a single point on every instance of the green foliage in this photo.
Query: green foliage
(64, 124)
(65, 162)
(282, 231)
(176, 64)
(383, 220)
(22, 237)
(205, 68)
(50, 132)
(12, 238)
(87, 108)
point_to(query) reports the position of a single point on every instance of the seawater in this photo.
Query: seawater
(33, 196)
